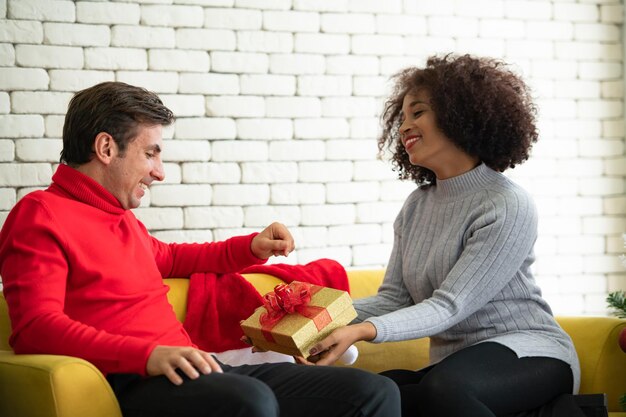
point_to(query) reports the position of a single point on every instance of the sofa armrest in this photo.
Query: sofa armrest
(64, 387)
(602, 362)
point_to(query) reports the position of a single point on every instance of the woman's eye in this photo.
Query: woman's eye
(418, 113)
(149, 155)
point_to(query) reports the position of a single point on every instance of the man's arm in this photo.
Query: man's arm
(231, 255)
(34, 269)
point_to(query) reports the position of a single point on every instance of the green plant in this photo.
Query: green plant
(617, 302)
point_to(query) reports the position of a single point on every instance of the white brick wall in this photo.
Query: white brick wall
(261, 216)
(116, 58)
(36, 150)
(278, 104)
(5, 105)
(239, 62)
(179, 60)
(268, 85)
(268, 172)
(265, 129)
(42, 102)
(7, 150)
(107, 13)
(74, 80)
(205, 128)
(73, 34)
(184, 150)
(198, 172)
(176, 16)
(322, 128)
(298, 193)
(46, 56)
(211, 217)
(57, 11)
(54, 125)
(235, 19)
(157, 81)
(160, 218)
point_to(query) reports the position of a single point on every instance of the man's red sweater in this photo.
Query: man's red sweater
(82, 276)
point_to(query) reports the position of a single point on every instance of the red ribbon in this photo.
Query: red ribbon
(291, 299)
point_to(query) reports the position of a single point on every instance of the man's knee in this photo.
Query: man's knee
(381, 395)
(382, 384)
(239, 396)
(256, 399)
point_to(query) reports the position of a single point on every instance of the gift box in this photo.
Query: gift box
(295, 317)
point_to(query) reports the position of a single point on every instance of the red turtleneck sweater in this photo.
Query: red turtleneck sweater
(82, 276)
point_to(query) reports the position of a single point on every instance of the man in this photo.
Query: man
(83, 277)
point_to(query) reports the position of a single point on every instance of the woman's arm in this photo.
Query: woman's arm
(392, 294)
(501, 242)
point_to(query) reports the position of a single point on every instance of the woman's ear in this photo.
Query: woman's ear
(104, 147)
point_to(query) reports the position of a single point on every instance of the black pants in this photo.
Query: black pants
(487, 380)
(265, 390)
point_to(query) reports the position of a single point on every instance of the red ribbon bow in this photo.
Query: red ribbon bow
(291, 299)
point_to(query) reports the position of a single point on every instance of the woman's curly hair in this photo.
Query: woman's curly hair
(481, 106)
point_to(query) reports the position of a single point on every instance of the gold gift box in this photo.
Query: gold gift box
(295, 334)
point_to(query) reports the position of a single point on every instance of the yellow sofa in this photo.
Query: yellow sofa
(61, 386)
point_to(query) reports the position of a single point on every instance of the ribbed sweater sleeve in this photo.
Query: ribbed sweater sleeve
(498, 239)
(460, 272)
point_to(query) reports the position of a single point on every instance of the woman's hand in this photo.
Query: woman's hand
(335, 344)
(245, 339)
(275, 240)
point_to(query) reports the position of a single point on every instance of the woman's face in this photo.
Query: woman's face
(426, 145)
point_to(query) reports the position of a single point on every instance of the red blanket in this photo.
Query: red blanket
(217, 303)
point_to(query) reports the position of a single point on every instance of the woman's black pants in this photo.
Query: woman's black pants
(488, 380)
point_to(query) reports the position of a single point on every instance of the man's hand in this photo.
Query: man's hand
(275, 240)
(164, 360)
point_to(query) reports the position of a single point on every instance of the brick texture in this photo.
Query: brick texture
(278, 105)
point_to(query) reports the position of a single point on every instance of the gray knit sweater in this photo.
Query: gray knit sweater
(459, 272)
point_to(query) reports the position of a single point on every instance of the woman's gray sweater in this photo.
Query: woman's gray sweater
(459, 272)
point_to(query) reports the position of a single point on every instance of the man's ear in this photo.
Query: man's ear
(104, 147)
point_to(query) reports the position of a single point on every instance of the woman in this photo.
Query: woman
(459, 270)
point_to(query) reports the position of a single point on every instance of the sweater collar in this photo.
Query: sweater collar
(85, 189)
(467, 183)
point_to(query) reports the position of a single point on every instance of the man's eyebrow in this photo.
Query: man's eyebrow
(156, 148)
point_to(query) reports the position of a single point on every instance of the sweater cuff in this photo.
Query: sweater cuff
(381, 330)
(243, 245)
(134, 355)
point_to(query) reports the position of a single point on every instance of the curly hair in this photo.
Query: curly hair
(481, 106)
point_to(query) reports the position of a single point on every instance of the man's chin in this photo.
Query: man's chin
(129, 205)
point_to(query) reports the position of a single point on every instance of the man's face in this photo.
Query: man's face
(129, 175)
